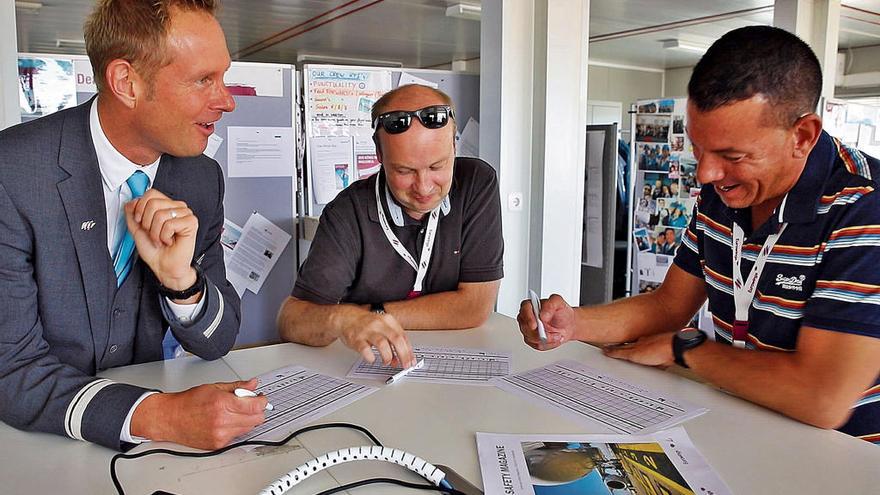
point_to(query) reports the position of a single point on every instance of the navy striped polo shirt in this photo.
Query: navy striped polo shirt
(823, 271)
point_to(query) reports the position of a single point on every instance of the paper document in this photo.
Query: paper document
(366, 158)
(331, 166)
(597, 398)
(261, 152)
(300, 395)
(229, 237)
(254, 80)
(407, 78)
(442, 365)
(469, 141)
(593, 206)
(255, 253)
(662, 462)
(214, 142)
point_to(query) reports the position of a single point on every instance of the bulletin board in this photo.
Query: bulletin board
(665, 189)
(338, 133)
(266, 99)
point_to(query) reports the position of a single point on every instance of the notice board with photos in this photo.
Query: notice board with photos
(338, 133)
(256, 146)
(665, 189)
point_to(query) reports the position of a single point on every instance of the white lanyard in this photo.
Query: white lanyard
(744, 292)
(427, 246)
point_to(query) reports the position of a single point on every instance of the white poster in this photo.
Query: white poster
(261, 152)
(593, 211)
(469, 140)
(407, 78)
(332, 166)
(254, 80)
(255, 252)
(366, 158)
(214, 142)
(85, 78)
(45, 85)
(663, 462)
(340, 100)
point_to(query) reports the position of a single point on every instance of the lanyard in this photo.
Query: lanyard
(427, 246)
(744, 292)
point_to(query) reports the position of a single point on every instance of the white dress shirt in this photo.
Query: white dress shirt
(115, 171)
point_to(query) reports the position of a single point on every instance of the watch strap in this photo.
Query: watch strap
(177, 295)
(680, 345)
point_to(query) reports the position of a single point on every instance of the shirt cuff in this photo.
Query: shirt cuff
(125, 434)
(186, 313)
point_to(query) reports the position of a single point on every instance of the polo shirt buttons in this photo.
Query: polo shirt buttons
(117, 312)
(113, 348)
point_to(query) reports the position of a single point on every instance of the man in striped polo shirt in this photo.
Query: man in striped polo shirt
(784, 243)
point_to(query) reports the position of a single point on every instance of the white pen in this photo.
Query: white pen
(536, 308)
(243, 392)
(402, 373)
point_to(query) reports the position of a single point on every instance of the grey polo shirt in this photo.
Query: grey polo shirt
(351, 261)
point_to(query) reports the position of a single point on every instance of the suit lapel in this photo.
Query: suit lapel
(83, 198)
(164, 180)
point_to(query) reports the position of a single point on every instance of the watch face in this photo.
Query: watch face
(688, 334)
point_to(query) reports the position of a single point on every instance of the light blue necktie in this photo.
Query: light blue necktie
(138, 183)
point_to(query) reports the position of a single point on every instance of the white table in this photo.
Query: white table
(754, 450)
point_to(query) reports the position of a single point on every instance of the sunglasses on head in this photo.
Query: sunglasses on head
(433, 117)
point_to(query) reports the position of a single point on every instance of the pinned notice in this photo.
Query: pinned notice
(261, 152)
(255, 253)
(332, 166)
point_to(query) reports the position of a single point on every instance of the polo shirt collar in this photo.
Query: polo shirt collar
(394, 210)
(802, 203)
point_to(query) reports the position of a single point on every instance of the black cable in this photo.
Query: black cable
(231, 446)
(407, 484)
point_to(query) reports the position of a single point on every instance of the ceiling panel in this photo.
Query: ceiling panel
(417, 33)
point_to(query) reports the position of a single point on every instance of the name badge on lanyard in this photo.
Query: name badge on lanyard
(744, 291)
(421, 267)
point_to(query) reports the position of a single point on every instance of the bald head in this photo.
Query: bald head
(419, 161)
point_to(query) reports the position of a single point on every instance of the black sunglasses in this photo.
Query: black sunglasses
(433, 117)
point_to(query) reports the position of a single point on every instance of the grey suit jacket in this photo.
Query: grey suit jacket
(60, 319)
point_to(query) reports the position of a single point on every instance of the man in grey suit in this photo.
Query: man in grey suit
(110, 220)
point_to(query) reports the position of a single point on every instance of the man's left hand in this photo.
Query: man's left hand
(653, 350)
(164, 232)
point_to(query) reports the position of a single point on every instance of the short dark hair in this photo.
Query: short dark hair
(757, 60)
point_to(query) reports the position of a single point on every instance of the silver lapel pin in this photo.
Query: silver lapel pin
(87, 225)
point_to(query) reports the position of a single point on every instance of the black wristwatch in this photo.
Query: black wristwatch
(377, 308)
(178, 295)
(685, 340)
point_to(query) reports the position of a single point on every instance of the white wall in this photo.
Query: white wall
(677, 82)
(623, 85)
(533, 102)
(10, 114)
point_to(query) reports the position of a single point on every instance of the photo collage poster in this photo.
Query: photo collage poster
(666, 187)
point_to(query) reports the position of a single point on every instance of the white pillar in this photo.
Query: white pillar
(818, 23)
(10, 114)
(533, 102)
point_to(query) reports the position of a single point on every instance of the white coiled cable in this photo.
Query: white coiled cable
(415, 464)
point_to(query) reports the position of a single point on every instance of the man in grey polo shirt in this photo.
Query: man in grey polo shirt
(417, 246)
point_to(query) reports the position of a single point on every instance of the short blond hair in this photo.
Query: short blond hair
(134, 30)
